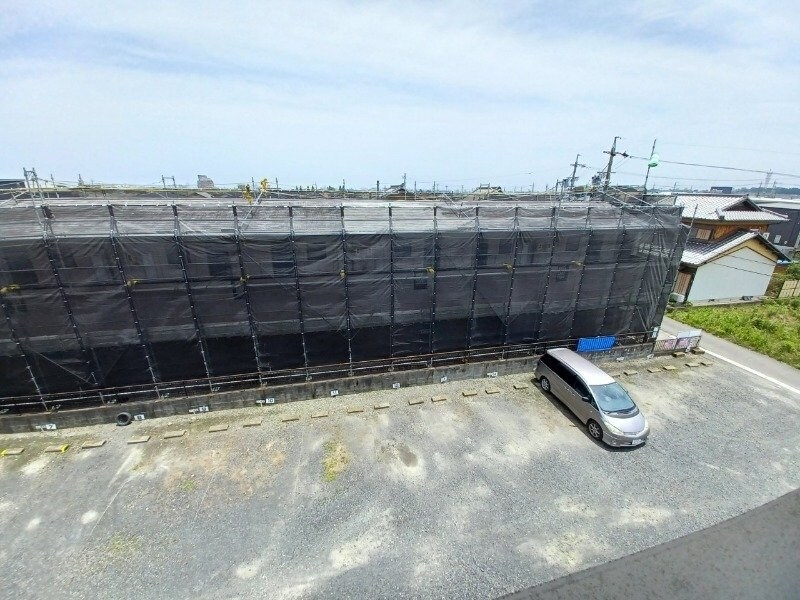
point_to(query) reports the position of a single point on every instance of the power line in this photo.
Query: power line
(688, 164)
(687, 178)
(730, 148)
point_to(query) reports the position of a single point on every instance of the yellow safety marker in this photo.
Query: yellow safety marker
(61, 448)
(12, 451)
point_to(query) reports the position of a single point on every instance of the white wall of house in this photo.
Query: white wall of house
(741, 273)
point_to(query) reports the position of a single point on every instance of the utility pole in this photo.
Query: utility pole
(649, 161)
(611, 154)
(405, 192)
(575, 166)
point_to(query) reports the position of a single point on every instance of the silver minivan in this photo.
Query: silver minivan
(603, 405)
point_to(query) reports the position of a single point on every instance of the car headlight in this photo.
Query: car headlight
(613, 429)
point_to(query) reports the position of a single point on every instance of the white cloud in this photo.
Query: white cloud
(320, 91)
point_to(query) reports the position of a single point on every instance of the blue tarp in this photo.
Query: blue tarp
(594, 344)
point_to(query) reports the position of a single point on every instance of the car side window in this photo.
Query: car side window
(579, 387)
(571, 379)
(563, 372)
(557, 368)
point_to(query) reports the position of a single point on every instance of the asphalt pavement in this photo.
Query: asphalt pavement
(761, 364)
(755, 556)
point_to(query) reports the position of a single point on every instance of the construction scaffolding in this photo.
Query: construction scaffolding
(110, 298)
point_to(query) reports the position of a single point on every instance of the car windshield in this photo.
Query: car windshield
(612, 398)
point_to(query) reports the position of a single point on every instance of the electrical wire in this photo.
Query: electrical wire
(688, 164)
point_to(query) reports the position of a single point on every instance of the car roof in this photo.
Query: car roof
(590, 373)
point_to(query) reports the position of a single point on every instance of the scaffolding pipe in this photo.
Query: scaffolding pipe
(391, 285)
(195, 318)
(298, 292)
(65, 299)
(554, 229)
(620, 246)
(431, 331)
(645, 273)
(583, 269)
(127, 285)
(668, 281)
(345, 275)
(478, 238)
(515, 251)
(243, 278)
(22, 353)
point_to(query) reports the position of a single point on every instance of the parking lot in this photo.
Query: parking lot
(471, 497)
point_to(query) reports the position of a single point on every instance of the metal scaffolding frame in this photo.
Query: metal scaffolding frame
(299, 293)
(47, 231)
(195, 319)
(127, 284)
(244, 277)
(516, 234)
(476, 278)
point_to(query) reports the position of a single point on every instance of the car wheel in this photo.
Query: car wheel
(545, 384)
(595, 430)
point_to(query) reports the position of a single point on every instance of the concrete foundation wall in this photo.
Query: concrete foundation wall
(166, 407)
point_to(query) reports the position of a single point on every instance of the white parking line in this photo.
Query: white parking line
(754, 372)
(748, 369)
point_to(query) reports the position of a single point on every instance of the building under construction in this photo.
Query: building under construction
(119, 295)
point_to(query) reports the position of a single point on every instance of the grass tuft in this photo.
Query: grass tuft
(336, 459)
(772, 328)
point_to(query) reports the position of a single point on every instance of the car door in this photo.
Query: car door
(583, 410)
(572, 397)
(563, 385)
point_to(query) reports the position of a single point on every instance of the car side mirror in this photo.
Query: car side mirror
(586, 398)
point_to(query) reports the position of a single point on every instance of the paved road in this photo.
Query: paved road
(764, 365)
(471, 498)
(755, 556)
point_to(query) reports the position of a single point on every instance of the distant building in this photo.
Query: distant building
(488, 192)
(785, 235)
(721, 189)
(727, 255)
(205, 183)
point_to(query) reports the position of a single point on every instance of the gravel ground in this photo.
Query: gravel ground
(470, 498)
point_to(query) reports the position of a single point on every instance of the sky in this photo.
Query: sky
(461, 93)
